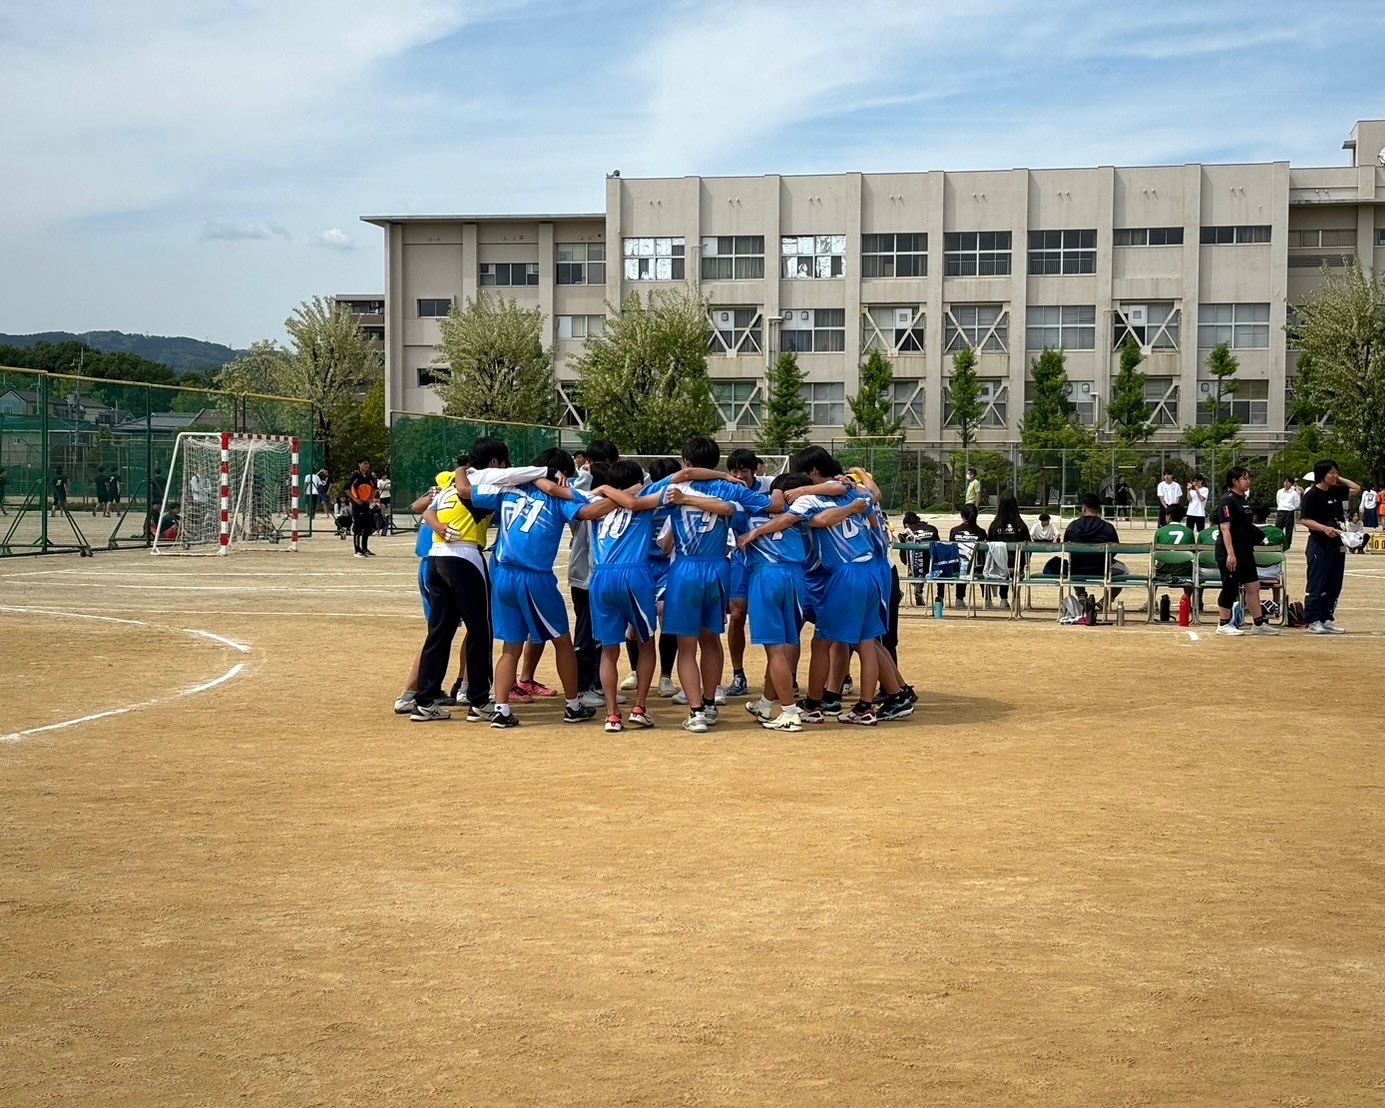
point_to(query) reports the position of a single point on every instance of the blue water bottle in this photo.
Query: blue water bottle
(937, 607)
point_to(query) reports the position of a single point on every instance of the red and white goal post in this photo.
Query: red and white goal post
(225, 489)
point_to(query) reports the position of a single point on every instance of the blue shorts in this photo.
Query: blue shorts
(526, 605)
(886, 574)
(740, 576)
(695, 597)
(850, 611)
(423, 586)
(776, 605)
(659, 568)
(814, 590)
(622, 596)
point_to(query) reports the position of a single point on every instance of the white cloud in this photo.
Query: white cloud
(219, 230)
(334, 238)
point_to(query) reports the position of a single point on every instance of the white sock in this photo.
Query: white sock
(575, 703)
(503, 709)
(789, 710)
(764, 705)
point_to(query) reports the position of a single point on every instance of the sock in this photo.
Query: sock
(738, 673)
(503, 709)
(1222, 622)
(832, 694)
(811, 704)
(763, 705)
(789, 710)
(1259, 621)
(575, 704)
(864, 706)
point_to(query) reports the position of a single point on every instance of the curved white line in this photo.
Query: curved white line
(239, 646)
(230, 673)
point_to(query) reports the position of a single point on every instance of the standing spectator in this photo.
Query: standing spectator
(384, 491)
(113, 489)
(361, 490)
(59, 492)
(1124, 498)
(1007, 527)
(918, 562)
(1321, 511)
(1196, 513)
(973, 496)
(1170, 492)
(1370, 508)
(1287, 502)
(3, 478)
(323, 481)
(99, 502)
(1237, 538)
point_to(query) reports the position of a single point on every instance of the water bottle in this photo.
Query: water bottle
(1120, 613)
(937, 607)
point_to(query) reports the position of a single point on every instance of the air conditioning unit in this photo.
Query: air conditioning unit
(1086, 388)
(798, 321)
(788, 315)
(903, 318)
(1205, 388)
(725, 319)
(1137, 315)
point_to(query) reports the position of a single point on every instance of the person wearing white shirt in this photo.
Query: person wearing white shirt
(1196, 514)
(1170, 492)
(1370, 508)
(1287, 503)
(1044, 530)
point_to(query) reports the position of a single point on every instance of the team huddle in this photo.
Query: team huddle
(673, 551)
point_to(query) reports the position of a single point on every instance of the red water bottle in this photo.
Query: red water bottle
(1185, 611)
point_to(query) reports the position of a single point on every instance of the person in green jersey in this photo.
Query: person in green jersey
(1174, 533)
(1271, 577)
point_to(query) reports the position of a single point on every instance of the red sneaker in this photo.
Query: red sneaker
(518, 695)
(534, 688)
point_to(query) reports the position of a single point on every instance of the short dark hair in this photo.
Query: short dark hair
(1043, 517)
(602, 450)
(660, 468)
(1323, 468)
(1198, 477)
(557, 459)
(1261, 514)
(1175, 512)
(463, 461)
(1091, 502)
(360, 460)
(816, 458)
(488, 450)
(786, 481)
(971, 471)
(622, 474)
(702, 452)
(742, 458)
(911, 519)
(600, 473)
(1234, 474)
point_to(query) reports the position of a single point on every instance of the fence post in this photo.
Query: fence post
(44, 461)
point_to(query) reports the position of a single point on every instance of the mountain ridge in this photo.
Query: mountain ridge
(179, 352)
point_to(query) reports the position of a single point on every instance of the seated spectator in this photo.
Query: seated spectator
(1090, 529)
(965, 535)
(1007, 527)
(1044, 531)
(1354, 526)
(341, 515)
(918, 561)
(1271, 577)
(1174, 533)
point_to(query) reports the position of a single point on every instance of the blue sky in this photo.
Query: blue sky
(200, 167)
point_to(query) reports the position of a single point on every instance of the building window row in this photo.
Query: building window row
(813, 331)
(812, 257)
(509, 274)
(1072, 327)
(1152, 326)
(1241, 326)
(892, 330)
(735, 331)
(578, 327)
(1062, 253)
(894, 255)
(1148, 236)
(733, 258)
(1235, 236)
(984, 327)
(581, 263)
(654, 259)
(994, 393)
(976, 254)
(434, 308)
(1250, 403)
(1312, 238)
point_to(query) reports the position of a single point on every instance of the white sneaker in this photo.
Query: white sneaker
(1264, 629)
(630, 684)
(1333, 629)
(1228, 629)
(784, 721)
(712, 714)
(754, 708)
(1317, 627)
(720, 696)
(593, 699)
(680, 698)
(360, 555)
(404, 705)
(665, 686)
(697, 724)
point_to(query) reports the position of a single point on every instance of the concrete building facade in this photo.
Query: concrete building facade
(918, 265)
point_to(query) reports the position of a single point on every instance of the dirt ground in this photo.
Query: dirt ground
(1108, 866)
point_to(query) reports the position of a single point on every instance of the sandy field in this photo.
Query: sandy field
(1099, 866)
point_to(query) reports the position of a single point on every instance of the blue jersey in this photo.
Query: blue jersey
(696, 534)
(623, 538)
(846, 542)
(783, 548)
(532, 523)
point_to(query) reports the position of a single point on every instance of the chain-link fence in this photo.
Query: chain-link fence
(82, 460)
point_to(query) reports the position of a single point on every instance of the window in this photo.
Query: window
(733, 258)
(985, 327)
(1161, 394)
(580, 327)
(907, 402)
(738, 402)
(431, 309)
(1153, 326)
(1235, 236)
(1148, 236)
(813, 331)
(1315, 239)
(976, 253)
(826, 403)
(994, 396)
(1081, 395)
(654, 259)
(735, 331)
(429, 375)
(812, 257)
(1250, 403)
(581, 263)
(1073, 327)
(1380, 236)
(573, 414)
(365, 307)
(1062, 252)
(1244, 326)
(509, 274)
(897, 255)
(892, 330)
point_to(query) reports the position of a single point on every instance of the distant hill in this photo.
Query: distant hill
(180, 354)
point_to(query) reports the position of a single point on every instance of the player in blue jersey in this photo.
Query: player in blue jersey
(526, 605)
(744, 466)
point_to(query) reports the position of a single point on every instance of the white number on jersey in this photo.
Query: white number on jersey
(613, 525)
(525, 510)
(696, 521)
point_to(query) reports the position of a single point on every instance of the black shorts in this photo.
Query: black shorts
(1245, 573)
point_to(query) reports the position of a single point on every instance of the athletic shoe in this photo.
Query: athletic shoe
(504, 719)
(712, 714)
(848, 686)
(753, 707)
(1263, 629)
(640, 717)
(446, 701)
(358, 554)
(405, 704)
(897, 708)
(812, 715)
(370, 553)
(427, 713)
(1332, 627)
(720, 696)
(858, 716)
(739, 686)
(909, 692)
(1229, 629)
(519, 696)
(593, 699)
(536, 688)
(458, 690)
(631, 683)
(478, 713)
(784, 721)
(679, 698)
(830, 706)
(696, 723)
(1317, 627)
(614, 724)
(579, 714)
(666, 686)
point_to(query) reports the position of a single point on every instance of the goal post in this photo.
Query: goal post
(226, 488)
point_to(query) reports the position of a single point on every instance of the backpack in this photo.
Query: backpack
(1295, 614)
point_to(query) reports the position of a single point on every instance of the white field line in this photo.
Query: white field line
(240, 612)
(230, 674)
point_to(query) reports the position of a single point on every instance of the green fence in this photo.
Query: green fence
(85, 428)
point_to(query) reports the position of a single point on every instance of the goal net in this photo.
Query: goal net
(226, 489)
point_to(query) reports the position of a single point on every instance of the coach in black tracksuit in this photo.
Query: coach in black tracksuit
(360, 490)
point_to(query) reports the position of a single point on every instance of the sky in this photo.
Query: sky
(200, 167)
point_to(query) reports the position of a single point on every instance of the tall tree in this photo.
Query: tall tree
(964, 394)
(493, 363)
(1220, 439)
(644, 382)
(1129, 412)
(1049, 435)
(872, 408)
(786, 423)
(1341, 331)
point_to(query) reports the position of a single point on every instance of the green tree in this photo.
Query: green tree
(1341, 331)
(1049, 435)
(262, 371)
(1129, 413)
(786, 423)
(964, 394)
(872, 407)
(644, 381)
(1219, 442)
(493, 364)
(361, 431)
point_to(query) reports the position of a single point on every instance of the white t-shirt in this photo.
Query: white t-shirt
(1169, 492)
(1197, 503)
(1369, 499)
(1040, 533)
(1288, 500)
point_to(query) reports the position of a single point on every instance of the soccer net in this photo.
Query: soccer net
(224, 489)
(775, 464)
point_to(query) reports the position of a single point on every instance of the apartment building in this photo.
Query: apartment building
(918, 266)
(369, 310)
